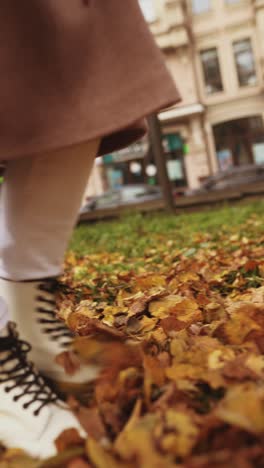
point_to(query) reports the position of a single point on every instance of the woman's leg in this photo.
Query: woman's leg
(40, 201)
(39, 206)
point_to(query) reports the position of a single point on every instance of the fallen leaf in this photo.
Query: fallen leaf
(100, 457)
(68, 439)
(243, 406)
(69, 362)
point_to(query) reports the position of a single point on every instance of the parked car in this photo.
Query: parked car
(124, 196)
(231, 178)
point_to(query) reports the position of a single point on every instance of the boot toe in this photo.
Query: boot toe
(61, 420)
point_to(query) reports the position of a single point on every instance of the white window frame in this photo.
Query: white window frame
(149, 10)
(199, 10)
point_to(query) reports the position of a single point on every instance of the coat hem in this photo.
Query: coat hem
(112, 139)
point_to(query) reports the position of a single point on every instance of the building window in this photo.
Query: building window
(211, 71)
(240, 142)
(245, 63)
(200, 6)
(174, 150)
(148, 9)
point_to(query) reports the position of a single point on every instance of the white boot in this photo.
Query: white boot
(31, 414)
(32, 307)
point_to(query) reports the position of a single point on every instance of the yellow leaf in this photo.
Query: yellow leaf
(185, 276)
(158, 335)
(217, 358)
(185, 309)
(100, 457)
(138, 442)
(183, 436)
(243, 406)
(256, 364)
(130, 425)
(148, 324)
(114, 310)
(87, 308)
(150, 281)
(237, 328)
(178, 348)
(184, 371)
(162, 307)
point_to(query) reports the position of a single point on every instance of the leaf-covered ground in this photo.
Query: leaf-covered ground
(171, 309)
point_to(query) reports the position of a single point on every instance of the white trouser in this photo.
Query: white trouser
(39, 205)
(4, 315)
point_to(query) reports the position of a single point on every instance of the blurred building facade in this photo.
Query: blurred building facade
(215, 52)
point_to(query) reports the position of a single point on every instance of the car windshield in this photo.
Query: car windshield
(133, 193)
(130, 193)
(109, 198)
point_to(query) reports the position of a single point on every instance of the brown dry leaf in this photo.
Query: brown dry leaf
(114, 310)
(134, 325)
(162, 307)
(158, 335)
(62, 459)
(186, 310)
(186, 276)
(257, 337)
(171, 324)
(190, 361)
(125, 298)
(90, 419)
(89, 349)
(69, 361)
(140, 325)
(181, 371)
(154, 374)
(179, 346)
(65, 309)
(68, 439)
(106, 390)
(148, 324)
(138, 306)
(112, 416)
(79, 463)
(87, 308)
(85, 326)
(251, 457)
(149, 281)
(182, 336)
(14, 458)
(135, 302)
(238, 370)
(214, 312)
(257, 295)
(101, 458)
(236, 329)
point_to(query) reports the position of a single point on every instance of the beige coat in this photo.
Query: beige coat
(74, 70)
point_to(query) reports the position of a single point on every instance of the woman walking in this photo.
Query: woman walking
(77, 80)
